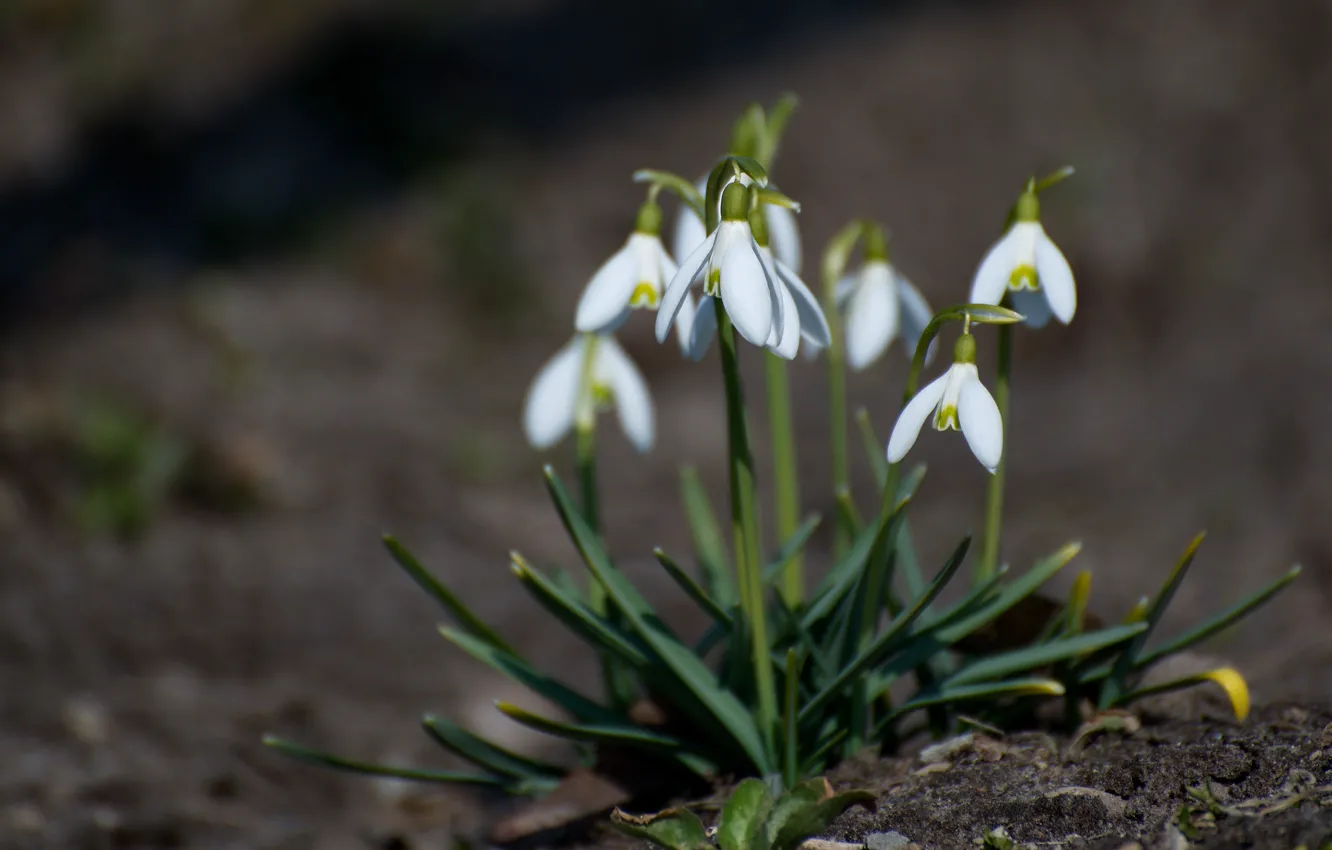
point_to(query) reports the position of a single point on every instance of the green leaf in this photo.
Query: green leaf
(815, 761)
(674, 829)
(687, 669)
(793, 544)
(942, 694)
(874, 449)
(790, 715)
(1230, 680)
(807, 819)
(885, 643)
(568, 608)
(709, 545)
(692, 590)
(684, 189)
(524, 674)
(323, 759)
(838, 254)
(744, 815)
(1221, 621)
(949, 631)
(1031, 657)
(847, 516)
(460, 613)
(1117, 682)
(484, 754)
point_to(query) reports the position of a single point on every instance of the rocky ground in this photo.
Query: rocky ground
(288, 400)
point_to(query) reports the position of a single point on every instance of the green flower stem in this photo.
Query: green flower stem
(837, 410)
(785, 481)
(744, 519)
(994, 494)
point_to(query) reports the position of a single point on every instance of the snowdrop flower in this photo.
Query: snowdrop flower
(1030, 267)
(804, 319)
(690, 233)
(730, 266)
(956, 400)
(878, 302)
(633, 278)
(589, 374)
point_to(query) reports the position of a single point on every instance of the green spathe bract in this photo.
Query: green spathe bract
(788, 677)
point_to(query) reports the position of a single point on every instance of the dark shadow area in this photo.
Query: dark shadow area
(367, 107)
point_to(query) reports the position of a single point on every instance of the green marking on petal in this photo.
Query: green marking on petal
(645, 295)
(713, 284)
(1024, 277)
(946, 418)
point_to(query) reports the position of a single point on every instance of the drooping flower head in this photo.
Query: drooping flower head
(878, 303)
(782, 227)
(633, 278)
(955, 400)
(589, 374)
(730, 267)
(1029, 267)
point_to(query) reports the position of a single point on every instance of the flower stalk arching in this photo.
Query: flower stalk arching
(994, 492)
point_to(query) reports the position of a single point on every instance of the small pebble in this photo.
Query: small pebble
(87, 720)
(887, 841)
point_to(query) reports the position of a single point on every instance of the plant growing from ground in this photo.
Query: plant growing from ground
(792, 675)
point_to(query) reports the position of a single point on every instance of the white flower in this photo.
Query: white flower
(877, 302)
(1032, 269)
(958, 400)
(730, 266)
(633, 278)
(804, 319)
(570, 389)
(782, 229)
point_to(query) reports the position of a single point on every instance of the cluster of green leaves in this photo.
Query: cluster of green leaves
(752, 819)
(872, 622)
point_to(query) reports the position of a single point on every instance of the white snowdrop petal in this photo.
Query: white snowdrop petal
(813, 324)
(784, 235)
(915, 316)
(606, 297)
(746, 293)
(1056, 279)
(548, 410)
(978, 416)
(684, 323)
(991, 280)
(871, 321)
(787, 343)
(703, 328)
(689, 233)
(633, 404)
(678, 288)
(913, 416)
(1032, 305)
(843, 290)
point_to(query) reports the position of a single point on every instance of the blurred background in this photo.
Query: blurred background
(274, 278)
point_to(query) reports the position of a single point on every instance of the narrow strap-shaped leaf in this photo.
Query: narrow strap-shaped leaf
(1031, 657)
(790, 713)
(688, 669)
(816, 761)
(483, 753)
(841, 579)
(709, 545)
(620, 734)
(1116, 683)
(848, 518)
(597, 631)
(324, 759)
(1230, 680)
(1221, 621)
(524, 674)
(874, 449)
(949, 632)
(691, 589)
(460, 613)
(1030, 686)
(884, 643)
(793, 544)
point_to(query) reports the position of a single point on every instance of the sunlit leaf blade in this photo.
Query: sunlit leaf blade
(1219, 622)
(949, 631)
(690, 672)
(709, 545)
(847, 516)
(323, 759)
(673, 829)
(484, 754)
(618, 734)
(569, 609)
(524, 674)
(744, 816)
(1116, 683)
(460, 613)
(691, 589)
(1230, 680)
(1077, 603)
(1031, 686)
(874, 449)
(795, 543)
(1031, 657)
(884, 643)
